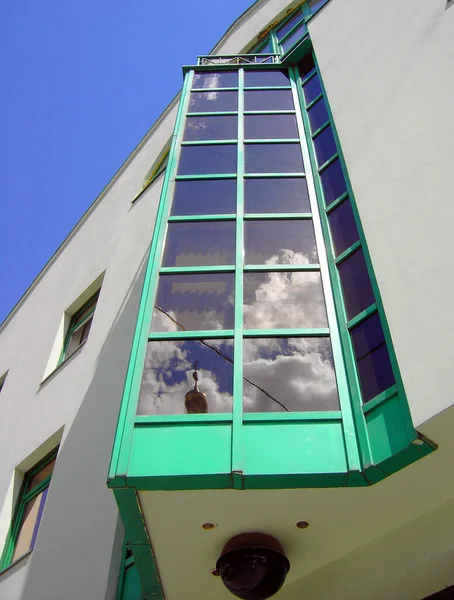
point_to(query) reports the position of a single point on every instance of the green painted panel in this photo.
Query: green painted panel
(132, 589)
(181, 449)
(294, 448)
(294, 481)
(148, 572)
(222, 481)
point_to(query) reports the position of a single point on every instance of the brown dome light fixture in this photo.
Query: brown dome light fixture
(195, 400)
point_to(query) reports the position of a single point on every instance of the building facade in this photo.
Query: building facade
(249, 329)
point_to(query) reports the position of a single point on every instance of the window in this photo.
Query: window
(29, 510)
(79, 327)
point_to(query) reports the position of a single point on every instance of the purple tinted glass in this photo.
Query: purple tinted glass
(195, 160)
(333, 182)
(38, 518)
(266, 49)
(211, 128)
(325, 146)
(374, 366)
(306, 66)
(355, 280)
(276, 195)
(318, 115)
(343, 227)
(213, 101)
(268, 127)
(204, 197)
(265, 78)
(268, 100)
(213, 80)
(296, 18)
(273, 158)
(294, 37)
(312, 89)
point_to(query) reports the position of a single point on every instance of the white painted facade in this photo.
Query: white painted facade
(388, 69)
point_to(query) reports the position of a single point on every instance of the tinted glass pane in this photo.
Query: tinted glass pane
(204, 196)
(194, 244)
(333, 182)
(29, 525)
(168, 376)
(343, 227)
(211, 79)
(295, 372)
(306, 66)
(283, 300)
(325, 146)
(356, 285)
(201, 160)
(279, 242)
(273, 158)
(211, 128)
(268, 100)
(318, 115)
(268, 47)
(195, 301)
(294, 37)
(312, 89)
(213, 101)
(265, 78)
(41, 475)
(270, 127)
(276, 195)
(316, 5)
(296, 18)
(374, 366)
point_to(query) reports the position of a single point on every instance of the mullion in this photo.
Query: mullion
(336, 203)
(315, 100)
(348, 252)
(321, 129)
(362, 316)
(327, 163)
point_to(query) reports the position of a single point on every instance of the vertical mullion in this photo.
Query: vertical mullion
(237, 425)
(348, 423)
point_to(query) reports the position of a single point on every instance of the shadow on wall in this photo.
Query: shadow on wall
(449, 3)
(79, 546)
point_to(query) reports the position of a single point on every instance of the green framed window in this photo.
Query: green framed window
(29, 510)
(2, 381)
(79, 327)
(128, 587)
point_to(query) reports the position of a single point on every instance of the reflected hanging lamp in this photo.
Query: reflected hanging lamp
(195, 400)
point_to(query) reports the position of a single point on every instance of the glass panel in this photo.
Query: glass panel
(194, 302)
(295, 372)
(207, 159)
(276, 195)
(296, 18)
(325, 146)
(212, 80)
(265, 78)
(306, 66)
(268, 127)
(312, 89)
(358, 294)
(268, 100)
(213, 101)
(211, 128)
(168, 377)
(333, 182)
(343, 227)
(41, 475)
(267, 48)
(204, 197)
(27, 526)
(78, 336)
(273, 158)
(318, 115)
(195, 244)
(316, 5)
(283, 299)
(294, 37)
(374, 366)
(279, 242)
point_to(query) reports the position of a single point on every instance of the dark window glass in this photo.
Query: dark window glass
(211, 128)
(343, 227)
(204, 197)
(295, 372)
(168, 376)
(270, 127)
(325, 146)
(273, 158)
(193, 302)
(312, 89)
(306, 66)
(201, 160)
(200, 244)
(374, 366)
(333, 182)
(279, 242)
(318, 115)
(213, 101)
(213, 80)
(294, 37)
(358, 294)
(276, 195)
(296, 18)
(283, 299)
(265, 78)
(316, 5)
(268, 100)
(266, 49)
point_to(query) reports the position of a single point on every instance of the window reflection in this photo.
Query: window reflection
(294, 37)
(276, 195)
(290, 24)
(208, 159)
(356, 285)
(213, 80)
(318, 115)
(312, 89)
(168, 375)
(204, 197)
(343, 227)
(270, 127)
(273, 158)
(283, 299)
(268, 100)
(211, 128)
(274, 242)
(333, 182)
(325, 146)
(265, 78)
(295, 374)
(213, 101)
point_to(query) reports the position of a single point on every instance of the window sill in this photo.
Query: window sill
(66, 361)
(16, 562)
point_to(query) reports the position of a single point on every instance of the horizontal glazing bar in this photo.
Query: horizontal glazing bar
(346, 253)
(213, 334)
(336, 203)
(380, 399)
(370, 310)
(266, 333)
(269, 112)
(309, 77)
(198, 218)
(221, 113)
(272, 175)
(208, 142)
(206, 176)
(271, 141)
(150, 420)
(314, 101)
(226, 89)
(318, 131)
(197, 269)
(273, 216)
(284, 267)
(327, 163)
(334, 415)
(271, 87)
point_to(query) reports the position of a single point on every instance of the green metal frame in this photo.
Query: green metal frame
(24, 497)
(76, 322)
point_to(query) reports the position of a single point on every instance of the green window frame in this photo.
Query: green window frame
(79, 328)
(21, 538)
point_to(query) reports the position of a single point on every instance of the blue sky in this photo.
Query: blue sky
(82, 82)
